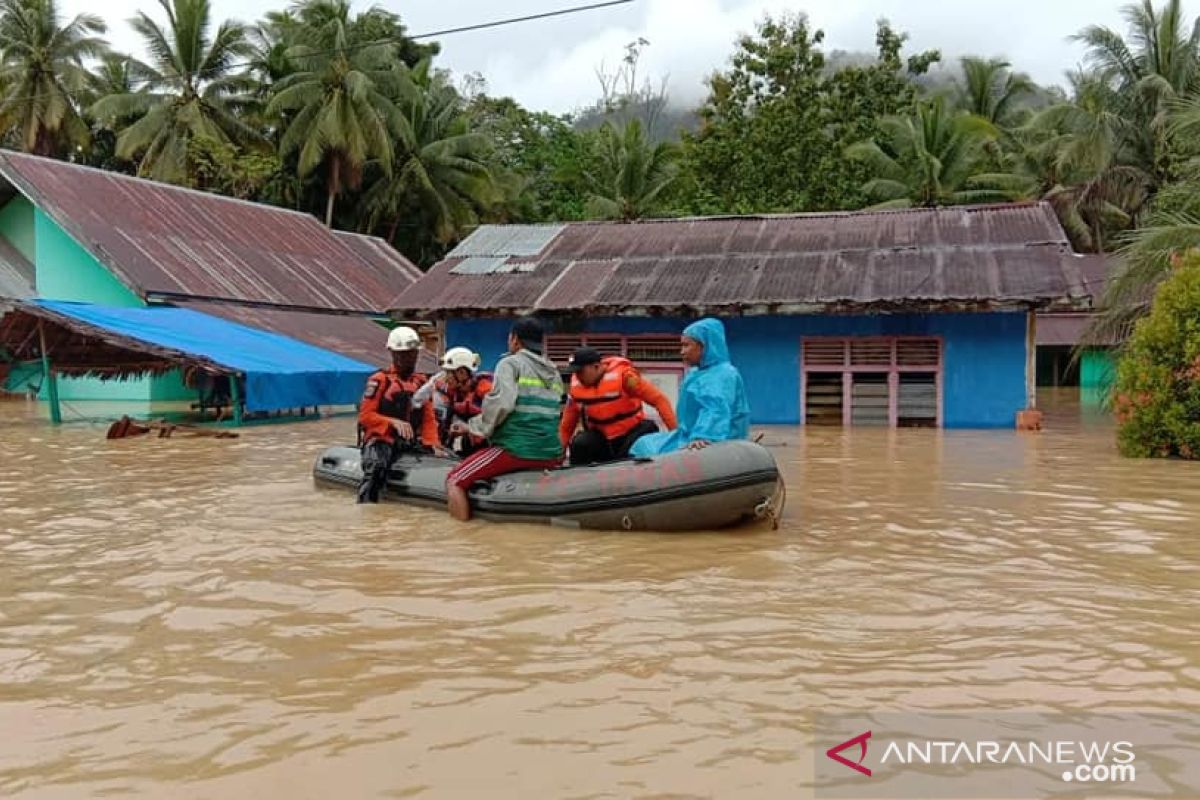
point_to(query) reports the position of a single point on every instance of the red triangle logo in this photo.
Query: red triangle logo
(835, 753)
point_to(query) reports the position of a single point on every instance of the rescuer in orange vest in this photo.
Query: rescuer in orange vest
(454, 394)
(387, 415)
(607, 394)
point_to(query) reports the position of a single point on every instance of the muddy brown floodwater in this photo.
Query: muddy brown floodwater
(191, 618)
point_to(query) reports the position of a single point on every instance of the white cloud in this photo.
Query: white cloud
(551, 63)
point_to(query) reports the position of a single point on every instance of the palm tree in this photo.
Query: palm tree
(191, 90)
(42, 73)
(441, 175)
(1086, 159)
(990, 89)
(1159, 64)
(341, 100)
(630, 175)
(934, 157)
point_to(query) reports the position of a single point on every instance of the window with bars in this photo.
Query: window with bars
(639, 348)
(656, 355)
(892, 381)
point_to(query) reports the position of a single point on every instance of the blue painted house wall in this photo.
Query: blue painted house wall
(984, 356)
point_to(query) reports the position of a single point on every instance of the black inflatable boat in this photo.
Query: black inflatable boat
(721, 485)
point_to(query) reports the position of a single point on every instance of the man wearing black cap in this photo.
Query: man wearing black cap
(520, 417)
(608, 394)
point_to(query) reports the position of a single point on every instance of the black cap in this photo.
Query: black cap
(530, 332)
(584, 356)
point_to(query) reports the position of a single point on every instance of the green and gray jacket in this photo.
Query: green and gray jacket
(522, 411)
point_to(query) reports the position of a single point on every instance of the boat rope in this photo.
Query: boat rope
(777, 512)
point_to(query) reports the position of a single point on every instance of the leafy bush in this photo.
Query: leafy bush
(1157, 396)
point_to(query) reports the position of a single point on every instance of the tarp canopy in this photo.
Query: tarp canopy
(279, 372)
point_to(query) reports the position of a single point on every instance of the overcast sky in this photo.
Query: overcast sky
(551, 64)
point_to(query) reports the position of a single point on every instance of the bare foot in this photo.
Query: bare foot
(457, 503)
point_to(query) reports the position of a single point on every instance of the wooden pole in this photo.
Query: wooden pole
(51, 378)
(235, 398)
(1031, 361)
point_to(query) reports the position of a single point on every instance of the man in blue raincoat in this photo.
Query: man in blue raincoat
(712, 400)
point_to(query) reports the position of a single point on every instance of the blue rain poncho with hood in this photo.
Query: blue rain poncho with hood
(712, 400)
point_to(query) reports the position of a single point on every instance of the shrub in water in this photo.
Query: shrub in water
(1157, 395)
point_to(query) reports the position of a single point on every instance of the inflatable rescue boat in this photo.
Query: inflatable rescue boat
(721, 485)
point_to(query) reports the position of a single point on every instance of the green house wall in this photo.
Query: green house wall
(1097, 369)
(64, 270)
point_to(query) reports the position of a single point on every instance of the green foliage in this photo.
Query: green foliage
(1157, 396)
(42, 74)
(440, 183)
(540, 149)
(933, 157)
(775, 124)
(221, 167)
(341, 102)
(629, 176)
(990, 90)
(189, 90)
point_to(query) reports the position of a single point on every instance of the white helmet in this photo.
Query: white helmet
(460, 357)
(403, 338)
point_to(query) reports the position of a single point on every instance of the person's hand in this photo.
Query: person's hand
(699, 444)
(443, 452)
(403, 429)
(459, 428)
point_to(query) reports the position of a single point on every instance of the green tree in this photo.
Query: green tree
(1157, 65)
(42, 74)
(340, 101)
(1157, 395)
(630, 174)
(114, 74)
(775, 125)
(192, 89)
(440, 177)
(1081, 156)
(222, 168)
(544, 152)
(933, 157)
(990, 90)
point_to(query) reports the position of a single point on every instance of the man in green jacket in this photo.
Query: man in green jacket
(520, 418)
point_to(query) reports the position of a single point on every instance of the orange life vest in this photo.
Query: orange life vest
(388, 396)
(606, 407)
(450, 404)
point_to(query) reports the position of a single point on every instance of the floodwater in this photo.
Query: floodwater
(191, 618)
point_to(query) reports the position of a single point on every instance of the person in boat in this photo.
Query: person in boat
(388, 420)
(455, 394)
(520, 418)
(607, 394)
(712, 399)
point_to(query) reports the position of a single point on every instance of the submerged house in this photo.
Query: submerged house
(922, 317)
(86, 236)
(1060, 332)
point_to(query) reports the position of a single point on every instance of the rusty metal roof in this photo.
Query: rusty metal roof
(167, 241)
(359, 338)
(933, 259)
(374, 251)
(1067, 328)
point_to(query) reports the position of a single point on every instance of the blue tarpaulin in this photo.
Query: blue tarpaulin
(280, 372)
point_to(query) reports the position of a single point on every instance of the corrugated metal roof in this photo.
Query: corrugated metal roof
(16, 273)
(982, 256)
(377, 252)
(1067, 328)
(506, 240)
(354, 337)
(164, 240)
